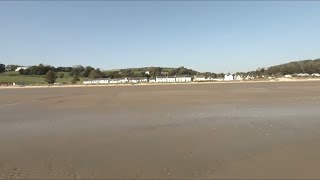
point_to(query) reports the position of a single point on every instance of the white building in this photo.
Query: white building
(152, 80)
(143, 79)
(288, 76)
(316, 74)
(114, 81)
(133, 81)
(171, 79)
(161, 79)
(200, 78)
(303, 75)
(86, 82)
(238, 78)
(228, 77)
(249, 77)
(183, 78)
(19, 68)
(97, 81)
(103, 81)
(124, 80)
(137, 79)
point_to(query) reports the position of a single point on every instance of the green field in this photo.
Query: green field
(12, 76)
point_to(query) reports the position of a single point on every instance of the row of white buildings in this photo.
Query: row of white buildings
(134, 80)
(117, 80)
(167, 79)
(302, 75)
(177, 78)
(226, 78)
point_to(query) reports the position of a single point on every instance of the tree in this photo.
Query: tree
(95, 74)
(61, 75)
(213, 75)
(77, 70)
(2, 68)
(220, 75)
(172, 72)
(37, 70)
(112, 74)
(155, 71)
(64, 69)
(75, 79)
(50, 77)
(143, 74)
(86, 71)
(12, 67)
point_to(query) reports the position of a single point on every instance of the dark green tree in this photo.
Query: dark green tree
(75, 79)
(77, 70)
(61, 75)
(86, 71)
(94, 74)
(2, 68)
(50, 77)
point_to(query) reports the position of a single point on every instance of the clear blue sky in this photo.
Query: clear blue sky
(207, 36)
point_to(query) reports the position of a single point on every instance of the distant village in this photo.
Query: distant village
(166, 79)
(46, 74)
(185, 79)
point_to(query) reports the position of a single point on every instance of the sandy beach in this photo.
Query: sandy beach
(179, 131)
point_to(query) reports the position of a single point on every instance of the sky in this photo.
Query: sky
(213, 36)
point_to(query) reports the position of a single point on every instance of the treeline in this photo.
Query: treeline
(37, 70)
(181, 71)
(73, 71)
(305, 66)
(212, 75)
(257, 73)
(297, 67)
(9, 67)
(152, 72)
(91, 72)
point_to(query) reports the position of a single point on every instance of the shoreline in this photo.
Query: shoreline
(158, 84)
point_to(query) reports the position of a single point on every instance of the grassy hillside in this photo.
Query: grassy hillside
(12, 76)
(22, 79)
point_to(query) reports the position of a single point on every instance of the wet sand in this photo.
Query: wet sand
(195, 131)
